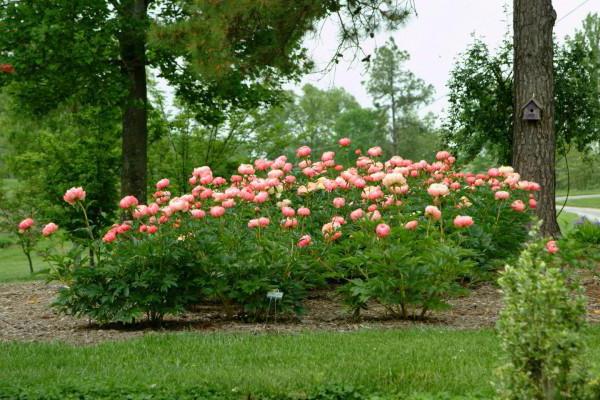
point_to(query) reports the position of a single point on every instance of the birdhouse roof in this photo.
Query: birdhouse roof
(532, 100)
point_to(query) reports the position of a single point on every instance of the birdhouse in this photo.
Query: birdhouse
(532, 111)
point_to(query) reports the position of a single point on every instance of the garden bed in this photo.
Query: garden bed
(25, 315)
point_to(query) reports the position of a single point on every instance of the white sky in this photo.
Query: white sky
(434, 37)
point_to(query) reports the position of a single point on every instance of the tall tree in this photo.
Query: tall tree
(534, 142)
(395, 89)
(218, 55)
(480, 113)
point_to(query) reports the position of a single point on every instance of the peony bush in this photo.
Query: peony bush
(402, 233)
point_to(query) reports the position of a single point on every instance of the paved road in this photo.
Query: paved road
(593, 214)
(581, 196)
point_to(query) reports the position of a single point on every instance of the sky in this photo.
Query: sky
(434, 37)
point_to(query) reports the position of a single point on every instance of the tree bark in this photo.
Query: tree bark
(132, 42)
(534, 142)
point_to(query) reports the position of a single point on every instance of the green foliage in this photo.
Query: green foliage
(408, 273)
(481, 110)
(399, 94)
(540, 328)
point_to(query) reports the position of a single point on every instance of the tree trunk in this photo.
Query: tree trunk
(534, 142)
(132, 42)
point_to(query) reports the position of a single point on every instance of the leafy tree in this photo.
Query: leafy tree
(396, 90)
(220, 56)
(480, 115)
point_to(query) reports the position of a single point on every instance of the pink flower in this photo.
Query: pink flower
(375, 151)
(152, 229)
(49, 229)
(217, 211)
(463, 221)
(442, 155)
(128, 202)
(357, 214)
(163, 183)
(518, 206)
(246, 169)
(374, 216)
(288, 212)
(327, 156)
(303, 212)
(344, 142)
(198, 214)
(411, 225)
(261, 197)
(382, 230)
(26, 224)
(493, 172)
(109, 237)
(532, 203)
(229, 203)
(438, 189)
(552, 247)
(501, 195)
(339, 202)
(74, 195)
(289, 223)
(433, 212)
(304, 241)
(303, 151)
(253, 223)
(263, 222)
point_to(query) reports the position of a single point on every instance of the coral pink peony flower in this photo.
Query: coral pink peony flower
(109, 237)
(217, 211)
(442, 155)
(438, 189)
(344, 142)
(374, 216)
(328, 156)
(26, 224)
(501, 195)
(303, 151)
(532, 203)
(49, 229)
(303, 212)
(339, 202)
(288, 212)
(263, 221)
(394, 179)
(261, 197)
(304, 241)
(552, 247)
(246, 169)
(163, 183)
(382, 230)
(289, 223)
(198, 214)
(152, 229)
(357, 214)
(128, 202)
(74, 195)
(518, 206)
(375, 151)
(433, 212)
(411, 225)
(229, 203)
(463, 221)
(253, 223)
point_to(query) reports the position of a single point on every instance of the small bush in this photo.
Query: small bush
(540, 328)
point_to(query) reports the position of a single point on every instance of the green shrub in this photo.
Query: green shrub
(540, 328)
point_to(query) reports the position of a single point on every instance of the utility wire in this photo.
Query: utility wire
(572, 11)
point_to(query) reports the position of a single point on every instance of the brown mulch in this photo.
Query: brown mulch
(26, 315)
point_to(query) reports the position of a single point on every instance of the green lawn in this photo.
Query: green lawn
(576, 192)
(566, 220)
(590, 203)
(427, 360)
(13, 263)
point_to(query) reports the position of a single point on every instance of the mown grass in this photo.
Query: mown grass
(577, 192)
(566, 221)
(421, 360)
(14, 265)
(589, 203)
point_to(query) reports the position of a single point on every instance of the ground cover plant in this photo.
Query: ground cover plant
(399, 232)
